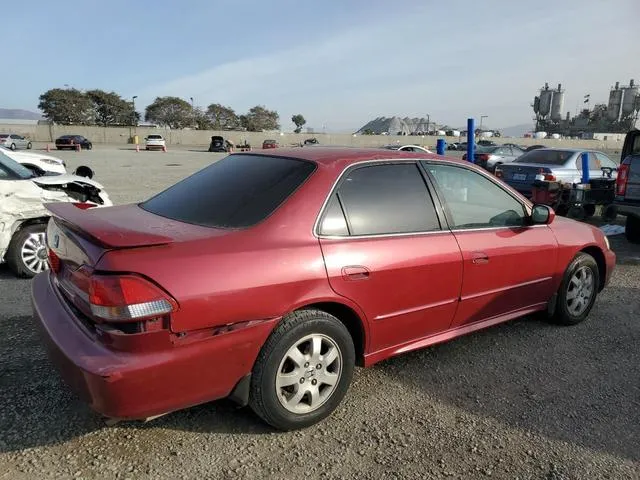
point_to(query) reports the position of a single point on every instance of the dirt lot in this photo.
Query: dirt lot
(521, 400)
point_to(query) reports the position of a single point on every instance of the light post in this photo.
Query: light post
(482, 117)
(191, 98)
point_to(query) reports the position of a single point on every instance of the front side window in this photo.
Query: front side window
(387, 199)
(474, 201)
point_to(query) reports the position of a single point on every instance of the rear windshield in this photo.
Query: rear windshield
(3, 135)
(154, 137)
(486, 149)
(236, 192)
(545, 157)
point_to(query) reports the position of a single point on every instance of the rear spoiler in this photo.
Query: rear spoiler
(94, 225)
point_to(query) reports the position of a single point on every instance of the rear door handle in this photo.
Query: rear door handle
(479, 258)
(355, 272)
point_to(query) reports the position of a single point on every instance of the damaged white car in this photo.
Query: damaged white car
(23, 218)
(38, 163)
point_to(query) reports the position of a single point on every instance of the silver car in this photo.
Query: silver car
(490, 157)
(14, 141)
(561, 164)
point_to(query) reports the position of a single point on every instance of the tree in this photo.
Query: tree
(259, 119)
(298, 121)
(66, 106)
(201, 120)
(172, 112)
(222, 118)
(111, 109)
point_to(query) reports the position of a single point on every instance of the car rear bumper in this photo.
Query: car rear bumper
(626, 209)
(129, 385)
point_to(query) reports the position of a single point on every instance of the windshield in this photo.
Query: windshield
(236, 192)
(12, 169)
(546, 157)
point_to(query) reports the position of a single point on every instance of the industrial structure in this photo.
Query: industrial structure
(619, 115)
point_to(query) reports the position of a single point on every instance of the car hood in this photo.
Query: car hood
(65, 179)
(26, 156)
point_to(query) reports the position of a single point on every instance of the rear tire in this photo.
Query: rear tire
(13, 146)
(589, 210)
(632, 229)
(89, 146)
(289, 387)
(578, 290)
(27, 252)
(577, 213)
(29, 146)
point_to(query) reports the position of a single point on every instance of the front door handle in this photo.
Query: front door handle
(355, 272)
(479, 258)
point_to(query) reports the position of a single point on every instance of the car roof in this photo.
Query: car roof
(330, 156)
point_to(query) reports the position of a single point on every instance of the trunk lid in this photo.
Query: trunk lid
(124, 226)
(521, 172)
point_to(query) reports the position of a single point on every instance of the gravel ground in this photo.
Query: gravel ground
(521, 400)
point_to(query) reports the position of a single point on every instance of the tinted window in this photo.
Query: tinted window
(387, 199)
(333, 221)
(4, 135)
(236, 192)
(546, 157)
(154, 137)
(474, 201)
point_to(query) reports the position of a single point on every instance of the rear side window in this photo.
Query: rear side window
(384, 199)
(236, 192)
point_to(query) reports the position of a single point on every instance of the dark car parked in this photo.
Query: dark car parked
(72, 142)
(219, 144)
(628, 185)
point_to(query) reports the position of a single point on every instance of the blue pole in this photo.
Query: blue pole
(471, 139)
(585, 167)
(440, 146)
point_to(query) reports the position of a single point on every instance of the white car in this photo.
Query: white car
(154, 141)
(408, 148)
(23, 217)
(14, 141)
(38, 163)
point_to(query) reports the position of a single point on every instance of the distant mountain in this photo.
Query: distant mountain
(517, 130)
(17, 114)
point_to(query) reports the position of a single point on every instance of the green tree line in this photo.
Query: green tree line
(97, 107)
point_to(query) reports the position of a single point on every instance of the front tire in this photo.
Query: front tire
(578, 290)
(632, 229)
(27, 252)
(13, 146)
(29, 146)
(303, 370)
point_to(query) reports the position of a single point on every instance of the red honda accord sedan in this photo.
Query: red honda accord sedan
(267, 277)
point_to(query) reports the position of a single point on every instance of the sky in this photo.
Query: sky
(340, 63)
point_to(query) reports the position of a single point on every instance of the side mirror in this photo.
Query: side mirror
(84, 171)
(542, 215)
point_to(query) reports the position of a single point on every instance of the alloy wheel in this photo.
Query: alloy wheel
(34, 252)
(309, 373)
(580, 291)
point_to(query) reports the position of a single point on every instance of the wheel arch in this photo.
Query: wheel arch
(350, 318)
(598, 256)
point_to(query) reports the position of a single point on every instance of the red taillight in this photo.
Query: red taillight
(483, 157)
(498, 173)
(127, 297)
(54, 261)
(83, 206)
(547, 177)
(622, 179)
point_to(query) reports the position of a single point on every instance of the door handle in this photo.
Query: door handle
(355, 273)
(479, 258)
